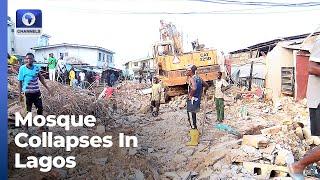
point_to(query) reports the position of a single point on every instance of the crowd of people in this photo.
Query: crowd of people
(66, 74)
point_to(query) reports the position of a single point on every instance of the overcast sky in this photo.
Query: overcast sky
(118, 26)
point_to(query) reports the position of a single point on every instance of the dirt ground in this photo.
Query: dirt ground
(162, 151)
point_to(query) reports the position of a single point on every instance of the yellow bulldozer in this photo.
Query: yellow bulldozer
(171, 62)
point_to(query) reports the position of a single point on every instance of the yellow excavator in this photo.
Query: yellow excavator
(170, 61)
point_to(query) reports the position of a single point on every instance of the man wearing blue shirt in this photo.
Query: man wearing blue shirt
(28, 77)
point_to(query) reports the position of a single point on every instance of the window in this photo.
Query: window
(109, 58)
(104, 57)
(136, 64)
(99, 58)
(66, 54)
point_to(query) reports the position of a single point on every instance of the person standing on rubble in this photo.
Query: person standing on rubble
(220, 85)
(112, 79)
(72, 76)
(61, 70)
(195, 88)
(29, 89)
(140, 75)
(82, 76)
(155, 96)
(313, 101)
(52, 64)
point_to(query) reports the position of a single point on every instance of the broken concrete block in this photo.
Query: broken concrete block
(185, 175)
(264, 171)
(306, 133)
(271, 130)
(172, 175)
(138, 175)
(257, 141)
(205, 174)
(316, 140)
(145, 109)
(150, 150)
(244, 153)
(281, 158)
(182, 104)
(100, 129)
(309, 141)
(299, 133)
(133, 151)
(101, 161)
(269, 149)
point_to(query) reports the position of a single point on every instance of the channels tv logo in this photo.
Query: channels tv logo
(28, 22)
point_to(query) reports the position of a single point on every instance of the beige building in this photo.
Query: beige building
(286, 64)
(146, 64)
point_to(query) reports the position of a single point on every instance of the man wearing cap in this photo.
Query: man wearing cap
(313, 102)
(195, 88)
(28, 77)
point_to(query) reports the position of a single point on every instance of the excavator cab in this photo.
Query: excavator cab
(164, 48)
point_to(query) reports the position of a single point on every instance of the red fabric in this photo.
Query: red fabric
(109, 91)
(259, 92)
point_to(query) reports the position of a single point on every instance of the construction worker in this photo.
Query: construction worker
(313, 102)
(163, 30)
(72, 76)
(195, 88)
(52, 64)
(29, 89)
(155, 96)
(220, 85)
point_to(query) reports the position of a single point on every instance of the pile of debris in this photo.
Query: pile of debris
(131, 97)
(277, 142)
(64, 100)
(13, 88)
(92, 163)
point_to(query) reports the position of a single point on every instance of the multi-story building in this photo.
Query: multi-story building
(146, 64)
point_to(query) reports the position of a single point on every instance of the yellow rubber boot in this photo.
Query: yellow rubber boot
(194, 137)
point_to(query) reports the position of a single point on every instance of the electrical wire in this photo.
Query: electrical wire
(223, 12)
(251, 3)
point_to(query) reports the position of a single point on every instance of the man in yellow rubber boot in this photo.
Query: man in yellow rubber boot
(195, 88)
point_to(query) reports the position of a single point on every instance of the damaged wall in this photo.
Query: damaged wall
(277, 58)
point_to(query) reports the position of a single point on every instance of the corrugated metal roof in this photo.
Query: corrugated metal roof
(274, 42)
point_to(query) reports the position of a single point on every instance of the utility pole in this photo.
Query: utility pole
(250, 78)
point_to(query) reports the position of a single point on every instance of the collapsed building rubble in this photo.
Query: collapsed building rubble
(269, 133)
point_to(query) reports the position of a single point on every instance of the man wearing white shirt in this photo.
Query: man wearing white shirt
(82, 76)
(219, 87)
(313, 102)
